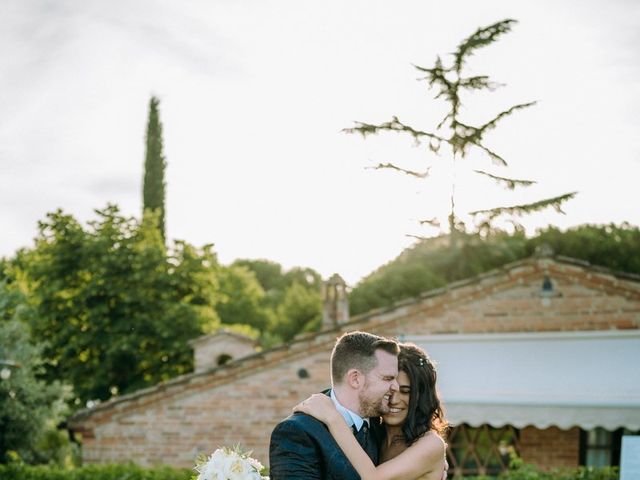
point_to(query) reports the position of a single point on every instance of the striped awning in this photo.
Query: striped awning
(564, 379)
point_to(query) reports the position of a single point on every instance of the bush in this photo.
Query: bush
(15, 471)
(528, 472)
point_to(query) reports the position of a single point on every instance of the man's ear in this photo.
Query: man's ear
(354, 378)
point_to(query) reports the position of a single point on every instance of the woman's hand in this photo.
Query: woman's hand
(319, 406)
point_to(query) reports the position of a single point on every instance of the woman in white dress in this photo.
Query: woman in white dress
(411, 443)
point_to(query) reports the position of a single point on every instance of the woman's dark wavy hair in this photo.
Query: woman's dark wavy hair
(425, 411)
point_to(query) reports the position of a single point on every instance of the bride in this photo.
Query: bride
(411, 434)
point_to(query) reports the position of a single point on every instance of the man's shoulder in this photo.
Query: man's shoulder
(302, 434)
(301, 421)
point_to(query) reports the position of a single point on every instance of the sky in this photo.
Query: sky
(254, 95)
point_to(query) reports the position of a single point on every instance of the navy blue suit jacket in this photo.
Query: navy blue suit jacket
(302, 448)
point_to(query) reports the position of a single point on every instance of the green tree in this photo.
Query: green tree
(460, 136)
(270, 276)
(30, 408)
(115, 307)
(300, 311)
(431, 263)
(153, 190)
(268, 273)
(304, 276)
(291, 301)
(241, 298)
(612, 246)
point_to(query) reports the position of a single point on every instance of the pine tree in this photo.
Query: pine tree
(153, 190)
(460, 136)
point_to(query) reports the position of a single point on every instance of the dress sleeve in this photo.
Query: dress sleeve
(293, 454)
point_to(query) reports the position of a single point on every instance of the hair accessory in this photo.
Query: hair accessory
(421, 361)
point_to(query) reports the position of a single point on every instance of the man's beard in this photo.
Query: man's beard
(372, 407)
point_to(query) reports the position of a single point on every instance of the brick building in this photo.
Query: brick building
(539, 357)
(219, 348)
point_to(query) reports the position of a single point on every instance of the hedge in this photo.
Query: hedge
(528, 472)
(15, 471)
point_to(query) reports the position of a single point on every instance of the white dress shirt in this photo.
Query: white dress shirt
(352, 418)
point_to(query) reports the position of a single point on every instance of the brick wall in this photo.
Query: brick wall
(173, 429)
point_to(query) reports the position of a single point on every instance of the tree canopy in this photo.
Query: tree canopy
(431, 263)
(113, 307)
(291, 300)
(30, 408)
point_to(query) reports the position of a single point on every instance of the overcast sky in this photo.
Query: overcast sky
(254, 95)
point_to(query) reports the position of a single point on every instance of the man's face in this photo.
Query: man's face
(379, 384)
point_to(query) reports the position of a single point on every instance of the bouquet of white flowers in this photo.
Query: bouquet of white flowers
(229, 464)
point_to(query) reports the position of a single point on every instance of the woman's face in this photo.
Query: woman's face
(399, 402)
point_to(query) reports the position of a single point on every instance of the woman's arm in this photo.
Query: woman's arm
(425, 456)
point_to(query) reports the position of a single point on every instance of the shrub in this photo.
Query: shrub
(528, 472)
(15, 471)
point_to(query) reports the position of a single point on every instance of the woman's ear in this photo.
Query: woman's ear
(354, 378)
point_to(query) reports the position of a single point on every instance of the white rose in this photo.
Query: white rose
(207, 472)
(218, 457)
(236, 468)
(212, 468)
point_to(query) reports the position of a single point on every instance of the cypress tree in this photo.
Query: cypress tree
(153, 190)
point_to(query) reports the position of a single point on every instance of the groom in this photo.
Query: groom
(364, 370)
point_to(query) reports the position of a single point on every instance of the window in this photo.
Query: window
(601, 448)
(223, 358)
(483, 450)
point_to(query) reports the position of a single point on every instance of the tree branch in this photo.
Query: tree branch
(510, 183)
(519, 210)
(479, 82)
(391, 166)
(394, 125)
(492, 123)
(481, 38)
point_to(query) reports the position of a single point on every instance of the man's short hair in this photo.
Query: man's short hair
(357, 350)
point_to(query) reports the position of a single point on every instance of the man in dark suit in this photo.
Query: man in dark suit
(364, 370)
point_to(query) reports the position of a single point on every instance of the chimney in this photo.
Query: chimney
(335, 307)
